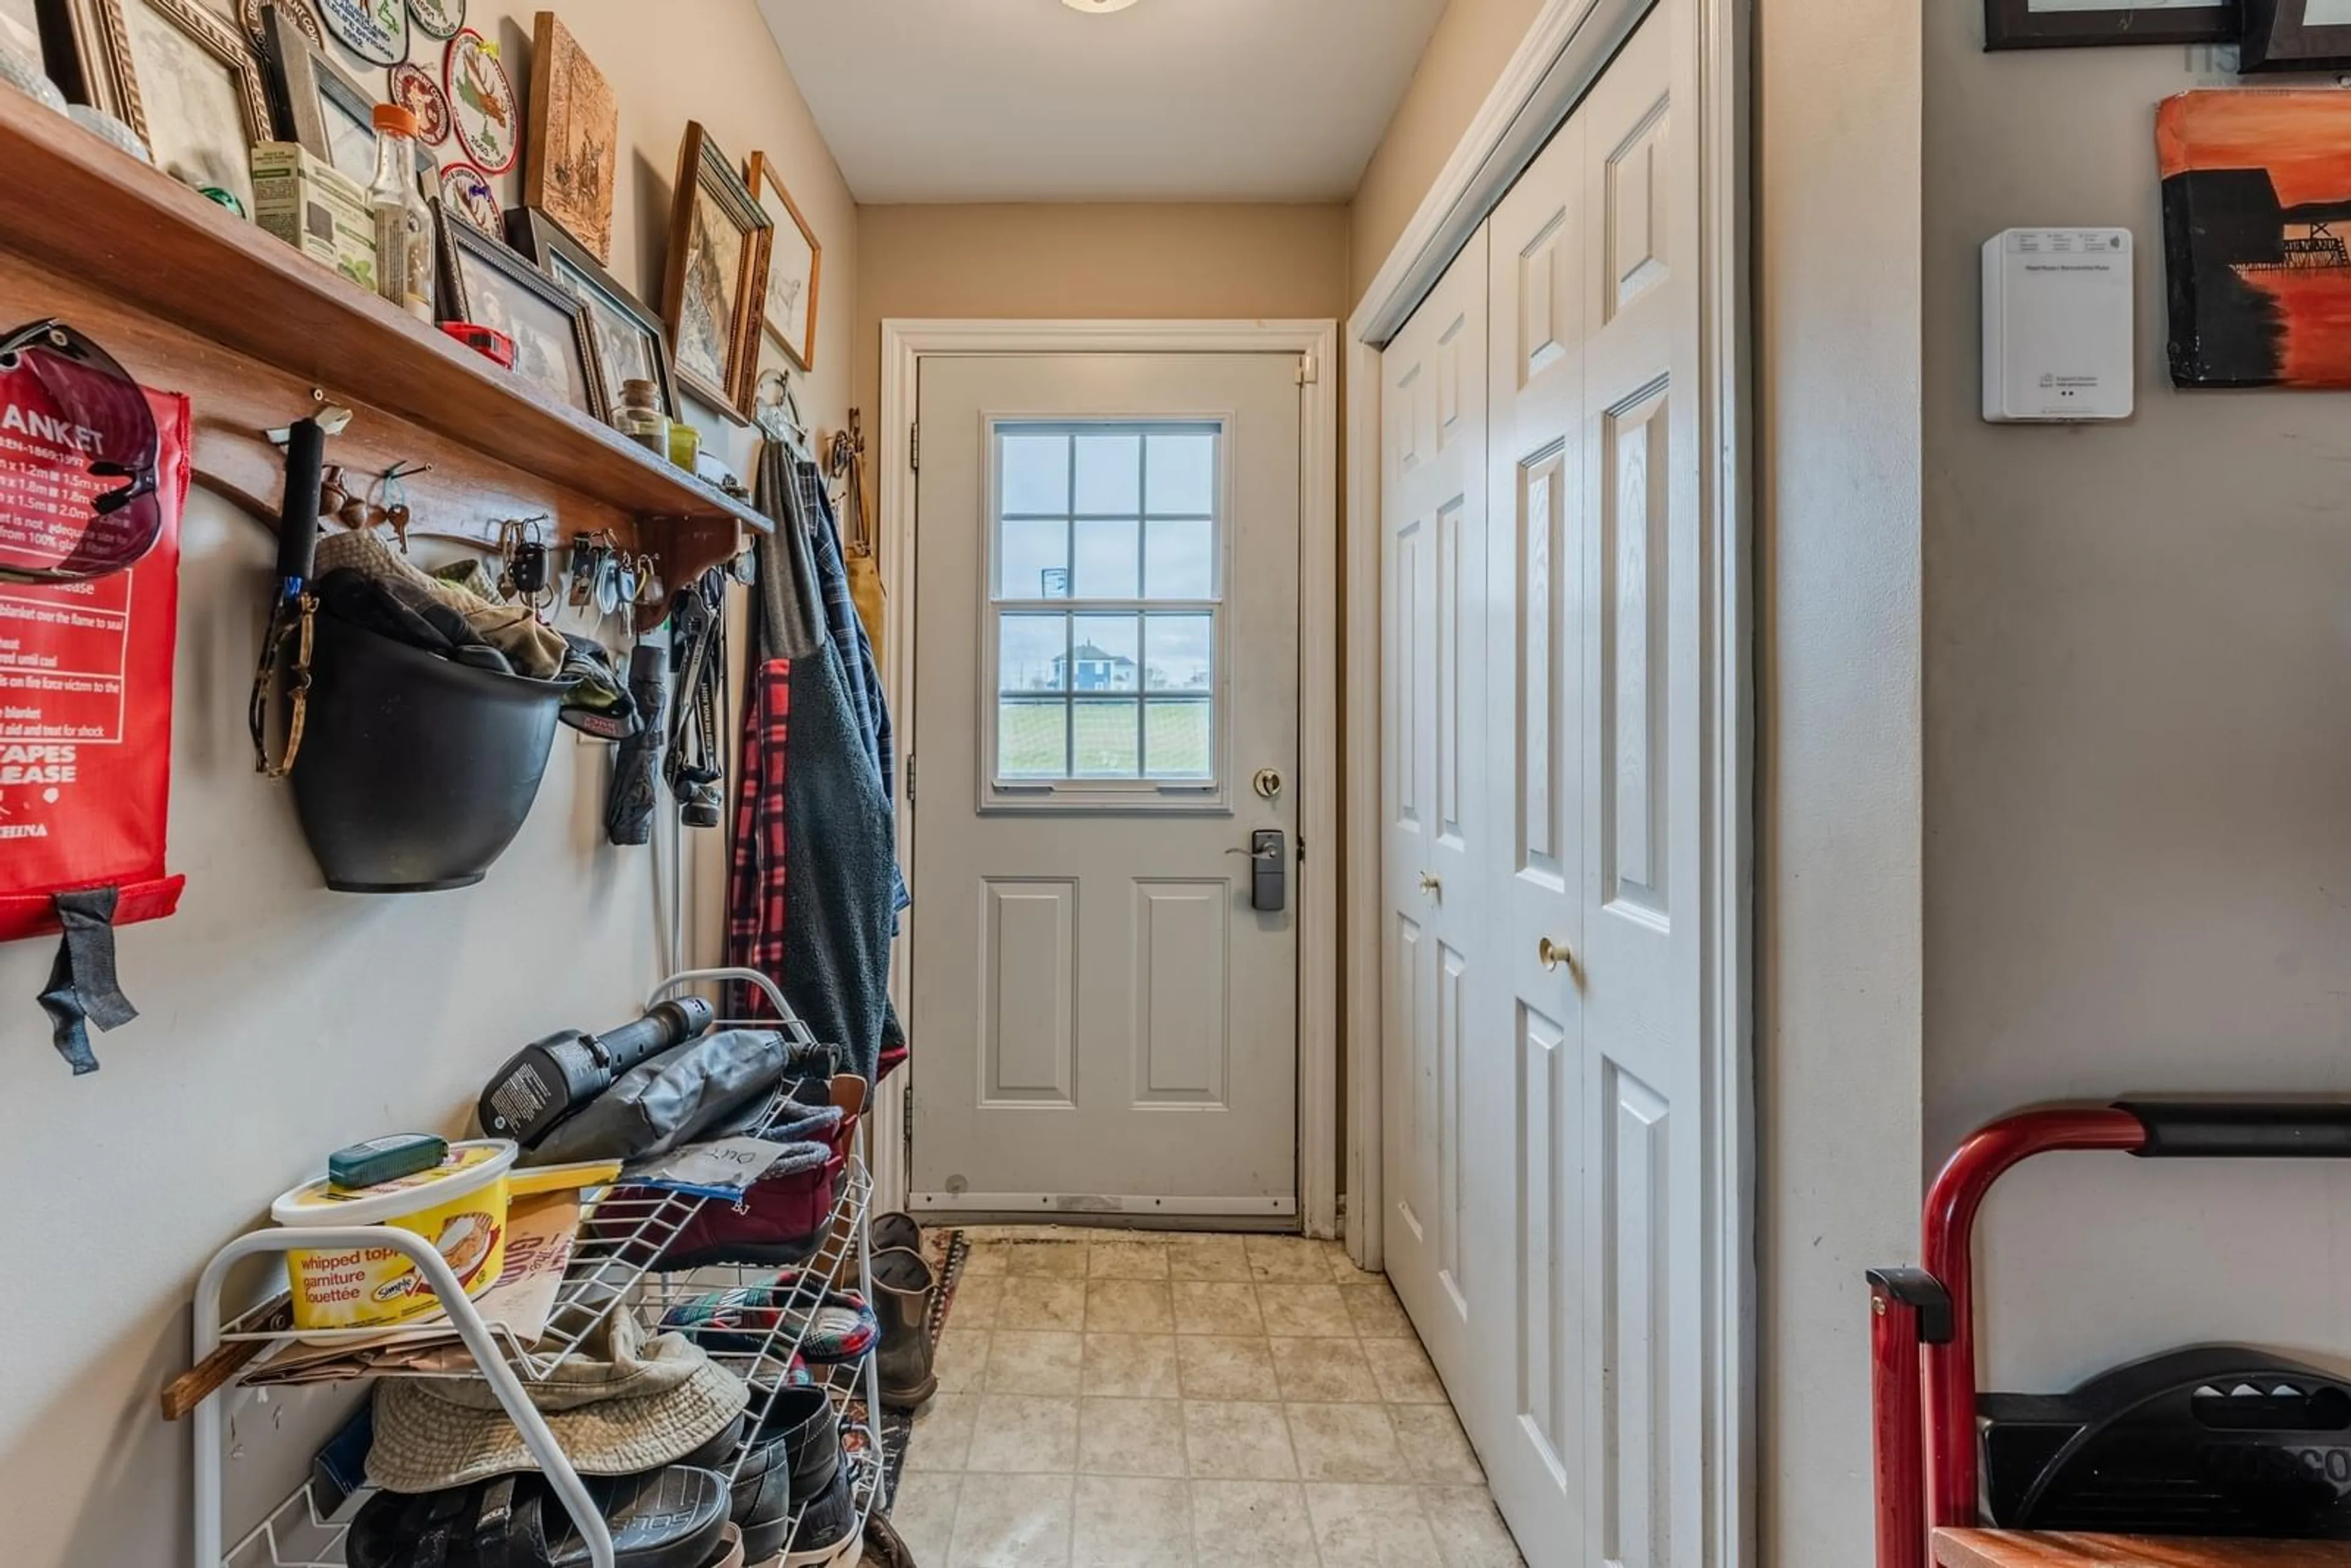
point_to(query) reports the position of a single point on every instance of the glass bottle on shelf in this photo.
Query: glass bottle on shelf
(404, 261)
(640, 416)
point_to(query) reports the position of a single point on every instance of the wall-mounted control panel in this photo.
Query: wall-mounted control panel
(2057, 325)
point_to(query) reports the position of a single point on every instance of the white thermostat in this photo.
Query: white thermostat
(2057, 337)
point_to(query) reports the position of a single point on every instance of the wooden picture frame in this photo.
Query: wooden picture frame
(316, 102)
(795, 332)
(2280, 36)
(2023, 24)
(484, 282)
(716, 281)
(628, 336)
(105, 37)
(572, 157)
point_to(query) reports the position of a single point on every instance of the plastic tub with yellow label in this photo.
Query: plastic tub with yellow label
(460, 1205)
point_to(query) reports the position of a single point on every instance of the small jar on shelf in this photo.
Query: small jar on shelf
(641, 419)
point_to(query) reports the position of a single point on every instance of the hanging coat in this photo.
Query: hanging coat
(811, 896)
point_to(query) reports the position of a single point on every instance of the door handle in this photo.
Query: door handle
(1269, 874)
(1554, 955)
(1432, 885)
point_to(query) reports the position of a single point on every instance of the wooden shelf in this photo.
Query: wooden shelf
(109, 228)
(2032, 1548)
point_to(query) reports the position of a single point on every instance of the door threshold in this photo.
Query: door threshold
(1272, 1213)
(1031, 1220)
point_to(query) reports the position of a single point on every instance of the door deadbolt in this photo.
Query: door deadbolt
(1268, 784)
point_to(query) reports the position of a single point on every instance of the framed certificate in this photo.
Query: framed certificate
(2297, 35)
(2062, 23)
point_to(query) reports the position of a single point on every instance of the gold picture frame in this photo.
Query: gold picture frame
(789, 300)
(108, 38)
(716, 278)
(572, 160)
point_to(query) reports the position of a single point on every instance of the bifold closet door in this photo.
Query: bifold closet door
(1591, 980)
(1434, 611)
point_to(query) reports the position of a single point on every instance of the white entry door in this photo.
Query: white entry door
(1107, 695)
(1569, 1030)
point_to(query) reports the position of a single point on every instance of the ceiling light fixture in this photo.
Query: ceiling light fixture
(1097, 7)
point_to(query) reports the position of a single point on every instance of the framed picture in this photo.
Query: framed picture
(630, 345)
(2297, 36)
(484, 282)
(795, 267)
(574, 146)
(317, 104)
(250, 16)
(716, 276)
(2257, 258)
(181, 76)
(2062, 24)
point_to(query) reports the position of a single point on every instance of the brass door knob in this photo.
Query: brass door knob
(1554, 954)
(1431, 885)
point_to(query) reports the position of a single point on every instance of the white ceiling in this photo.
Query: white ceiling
(998, 100)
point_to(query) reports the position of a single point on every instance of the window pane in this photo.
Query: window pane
(1178, 742)
(1180, 561)
(1110, 475)
(1033, 561)
(1106, 562)
(1108, 654)
(1032, 652)
(1177, 654)
(1032, 738)
(1036, 471)
(1105, 741)
(1183, 473)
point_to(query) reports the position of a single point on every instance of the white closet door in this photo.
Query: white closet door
(1530, 1150)
(1434, 539)
(1643, 633)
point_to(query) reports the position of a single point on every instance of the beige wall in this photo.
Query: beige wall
(1838, 894)
(2136, 759)
(281, 1020)
(1099, 260)
(1473, 41)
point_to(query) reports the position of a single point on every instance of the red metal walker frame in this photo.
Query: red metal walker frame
(1922, 1323)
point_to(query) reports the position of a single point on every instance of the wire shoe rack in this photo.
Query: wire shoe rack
(613, 1268)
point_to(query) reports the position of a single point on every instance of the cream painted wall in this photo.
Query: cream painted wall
(1148, 261)
(1837, 674)
(281, 1020)
(1473, 41)
(2138, 839)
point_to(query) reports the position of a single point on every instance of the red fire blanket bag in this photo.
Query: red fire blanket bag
(93, 475)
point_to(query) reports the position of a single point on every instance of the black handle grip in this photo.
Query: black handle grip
(671, 1022)
(297, 519)
(2243, 1130)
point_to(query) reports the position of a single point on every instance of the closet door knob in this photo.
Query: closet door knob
(1554, 954)
(1431, 885)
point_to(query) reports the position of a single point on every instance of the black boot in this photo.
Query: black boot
(903, 1286)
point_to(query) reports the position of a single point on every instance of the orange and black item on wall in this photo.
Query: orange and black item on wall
(93, 475)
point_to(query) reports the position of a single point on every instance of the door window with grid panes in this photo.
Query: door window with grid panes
(1106, 626)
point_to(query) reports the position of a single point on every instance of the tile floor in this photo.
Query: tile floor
(1121, 1398)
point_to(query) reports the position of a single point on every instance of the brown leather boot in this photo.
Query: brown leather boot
(904, 1289)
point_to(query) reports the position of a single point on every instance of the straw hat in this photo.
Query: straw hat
(620, 1405)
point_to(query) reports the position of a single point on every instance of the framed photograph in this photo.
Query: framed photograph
(2297, 36)
(317, 104)
(484, 282)
(20, 29)
(574, 147)
(795, 267)
(716, 276)
(250, 16)
(181, 76)
(2064, 23)
(630, 345)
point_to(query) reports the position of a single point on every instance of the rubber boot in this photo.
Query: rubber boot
(903, 1287)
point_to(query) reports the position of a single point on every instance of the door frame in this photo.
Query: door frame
(1566, 48)
(905, 343)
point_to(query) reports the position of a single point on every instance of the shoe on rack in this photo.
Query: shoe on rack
(730, 1549)
(794, 1454)
(670, 1518)
(828, 1533)
(903, 1288)
(884, 1546)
